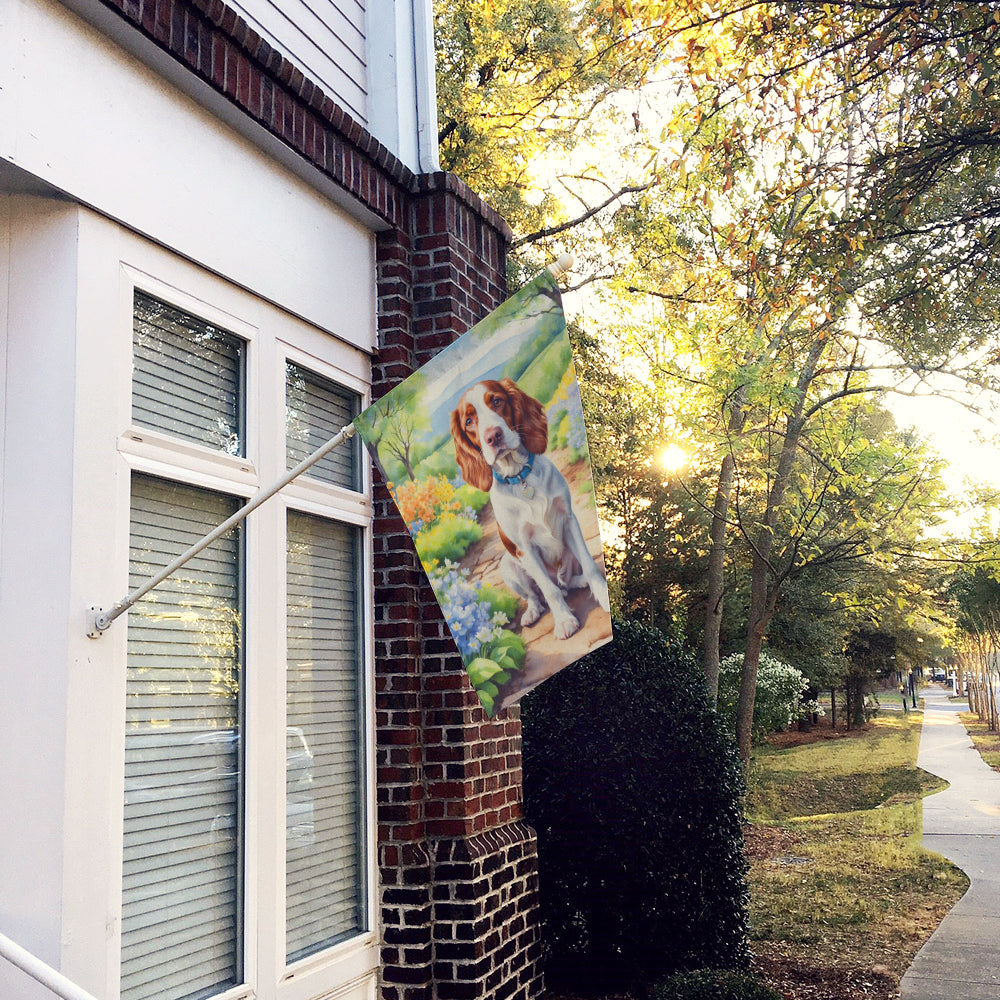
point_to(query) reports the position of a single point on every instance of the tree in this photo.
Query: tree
(871, 653)
(398, 425)
(976, 593)
(517, 78)
(803, 214)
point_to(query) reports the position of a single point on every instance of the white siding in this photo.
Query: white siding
(325, 39)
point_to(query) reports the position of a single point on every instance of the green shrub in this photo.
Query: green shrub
(500, 599)
(711, 984)
(447, 539)
(633, 788)
(469, 496)
(779, 690)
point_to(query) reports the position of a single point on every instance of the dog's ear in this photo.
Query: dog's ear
(529, 418)
(470, 459)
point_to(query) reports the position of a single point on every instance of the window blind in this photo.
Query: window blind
(187, 378)
(315, 409)
(182, 873)
(325, 863)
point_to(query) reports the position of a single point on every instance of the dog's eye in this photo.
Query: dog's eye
(468, 421)
(495, 403)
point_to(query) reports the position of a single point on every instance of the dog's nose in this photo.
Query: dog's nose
(494, 437)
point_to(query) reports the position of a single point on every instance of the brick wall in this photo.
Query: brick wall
(457, 866)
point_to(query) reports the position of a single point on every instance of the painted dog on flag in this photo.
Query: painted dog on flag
(500, 435)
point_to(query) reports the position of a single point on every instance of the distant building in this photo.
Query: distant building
(223, 229)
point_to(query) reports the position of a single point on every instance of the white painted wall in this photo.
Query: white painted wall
(38, 344)
(81, 114)
(68, 452)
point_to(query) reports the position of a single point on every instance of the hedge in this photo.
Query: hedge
(634, 788)
(714, 985)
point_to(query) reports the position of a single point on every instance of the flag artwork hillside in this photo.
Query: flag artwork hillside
(485, 453)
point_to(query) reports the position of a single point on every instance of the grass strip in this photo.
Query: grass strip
(838, 877)
(987, 743)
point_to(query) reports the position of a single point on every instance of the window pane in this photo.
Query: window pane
(315, 410)
(187, 378)
(182, 874)
(325, 801)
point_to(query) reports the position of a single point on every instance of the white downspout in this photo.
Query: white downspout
(425, 86)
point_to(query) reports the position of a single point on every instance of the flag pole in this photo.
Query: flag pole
(100, 619)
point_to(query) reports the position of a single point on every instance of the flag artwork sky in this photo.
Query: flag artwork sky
(485, 453)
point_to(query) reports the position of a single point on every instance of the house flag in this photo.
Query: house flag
(485, 454)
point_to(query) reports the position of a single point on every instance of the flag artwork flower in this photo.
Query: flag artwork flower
(484, 450)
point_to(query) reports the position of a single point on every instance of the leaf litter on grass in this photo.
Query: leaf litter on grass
(846, 918)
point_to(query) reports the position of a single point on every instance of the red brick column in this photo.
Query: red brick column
(459, 868)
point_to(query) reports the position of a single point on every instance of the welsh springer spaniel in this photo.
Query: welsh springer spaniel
(500, 435)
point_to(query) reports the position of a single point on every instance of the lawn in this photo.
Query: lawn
(987, 743)
(842, 894)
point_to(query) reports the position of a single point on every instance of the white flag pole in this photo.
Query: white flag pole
(100, 619)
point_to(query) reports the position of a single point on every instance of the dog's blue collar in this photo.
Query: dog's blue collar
(520, 477)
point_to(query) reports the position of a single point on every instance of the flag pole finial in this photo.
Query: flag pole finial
(563, 263)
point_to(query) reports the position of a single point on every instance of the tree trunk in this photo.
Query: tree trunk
(716, 580)
(761, 609)
(763, 597)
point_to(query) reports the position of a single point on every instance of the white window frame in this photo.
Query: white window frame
(272, 337)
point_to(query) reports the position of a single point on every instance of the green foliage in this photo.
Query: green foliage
(541, 378)
(712, 984)
(447, 539)
(558, 429)
(500, 600)
(516, 77)
(634, 791)
(436, 459)
(498, 659)
(469, 496)
(779, 688)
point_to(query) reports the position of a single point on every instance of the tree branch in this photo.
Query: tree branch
(541, 234)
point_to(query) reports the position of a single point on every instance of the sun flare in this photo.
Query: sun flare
(673, 458)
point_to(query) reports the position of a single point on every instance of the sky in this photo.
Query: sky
(959, 437)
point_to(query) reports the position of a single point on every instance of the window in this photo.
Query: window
(315, 410)
(182, 870)
(187, 377)
(205, 830)
(324, 859)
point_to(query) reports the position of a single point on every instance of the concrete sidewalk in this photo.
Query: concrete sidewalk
(961, 959)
